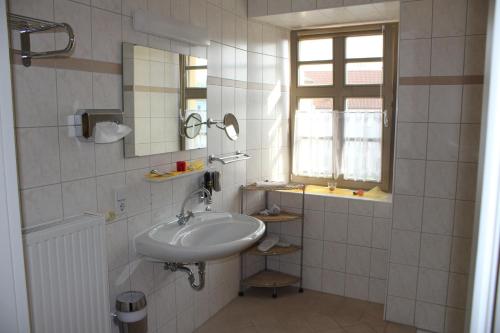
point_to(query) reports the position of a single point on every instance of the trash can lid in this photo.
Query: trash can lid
(130, 301)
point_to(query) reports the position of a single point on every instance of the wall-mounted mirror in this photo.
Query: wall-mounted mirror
(162, 90)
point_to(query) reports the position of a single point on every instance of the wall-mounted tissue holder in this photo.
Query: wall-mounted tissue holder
(102, 125)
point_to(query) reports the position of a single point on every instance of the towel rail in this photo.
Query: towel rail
(27, 26)
(238, 156)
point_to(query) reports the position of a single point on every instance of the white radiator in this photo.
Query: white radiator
(67, 276)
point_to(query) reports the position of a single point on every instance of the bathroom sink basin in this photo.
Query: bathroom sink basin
(205, 236)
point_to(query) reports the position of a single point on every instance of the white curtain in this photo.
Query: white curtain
(331, 143)
(312, 148)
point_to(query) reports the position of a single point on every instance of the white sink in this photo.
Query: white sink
(205, 236)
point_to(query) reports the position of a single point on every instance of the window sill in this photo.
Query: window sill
(373, 195)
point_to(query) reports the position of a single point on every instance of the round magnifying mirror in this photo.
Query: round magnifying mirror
(192, 126)
(231, 126)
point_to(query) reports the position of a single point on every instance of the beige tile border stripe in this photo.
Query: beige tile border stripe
(150, 89)
(77, 64)
(441, 80)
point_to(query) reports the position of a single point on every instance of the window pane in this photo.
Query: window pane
(364, 47)
(196, 78)
(316, 104)
(364, 73)
(315, 49)
(194, 61)
(316, 75)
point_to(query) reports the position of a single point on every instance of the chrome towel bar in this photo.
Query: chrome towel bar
(27, 25)
(238, 156)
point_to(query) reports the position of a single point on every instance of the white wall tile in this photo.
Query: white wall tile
(361, 207)
(77, 156)
(379, 263)
(257, 8)
(411, 140)
(335, 227)
(457, 290)
(435, 251)
(416, 19)
(358, 260)
(460, 255)
(378, 290)
(471, 103)
(475, 48)
(314, 224)
(447, 56)
(79, 197)
(449, 17)
(334, 256)
(41, 205)
(414, 57)
(359, 230)
(413, 103)
(400, 310)
(407, 213)
(117, 244)
(409, 177)
(402, 280)
(405, 246)
(440, 179)
(356, 286)
(443, 142)
(254, 31)
(381, 233)
(303, 5)
(279, 6)
(432, 286)
(477, 13)
(445, 104)
(38, 156)
(106, 46)
(333, 282)
(430, 316)
(39, 83)
(438, 216)
(464, 218)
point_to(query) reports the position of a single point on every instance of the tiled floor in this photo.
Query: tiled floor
(310, 312)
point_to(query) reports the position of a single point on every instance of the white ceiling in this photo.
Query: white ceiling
(369, 13)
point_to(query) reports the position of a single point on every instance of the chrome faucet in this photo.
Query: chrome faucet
(184, 217)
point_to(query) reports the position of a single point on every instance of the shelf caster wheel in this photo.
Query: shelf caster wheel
(301, 290)
(241, 294)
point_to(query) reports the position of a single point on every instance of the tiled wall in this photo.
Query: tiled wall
(272, 7)
(62, 177)
(437, 149)
(346, 244)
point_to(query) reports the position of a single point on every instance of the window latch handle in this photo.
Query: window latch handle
(386, 119)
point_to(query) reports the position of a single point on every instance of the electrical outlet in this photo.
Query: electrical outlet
(120, 201)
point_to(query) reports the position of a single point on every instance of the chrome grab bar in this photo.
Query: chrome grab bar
(27, 25)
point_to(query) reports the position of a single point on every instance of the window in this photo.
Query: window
(343, 102)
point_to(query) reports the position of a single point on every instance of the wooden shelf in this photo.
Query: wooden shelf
(274, 251)
(255, 187)
(270, 279)
(281, 217)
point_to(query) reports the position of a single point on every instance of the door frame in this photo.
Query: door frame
(14, 314)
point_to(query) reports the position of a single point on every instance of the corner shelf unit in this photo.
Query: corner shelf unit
(268, 278)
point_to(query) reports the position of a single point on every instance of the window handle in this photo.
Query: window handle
(386, 118)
